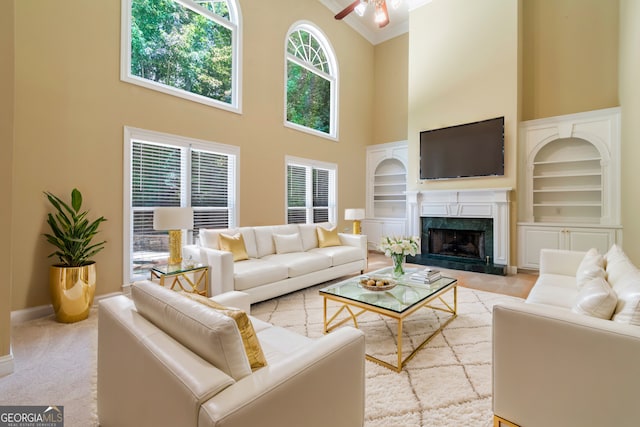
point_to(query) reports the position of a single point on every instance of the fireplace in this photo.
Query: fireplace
(458, 243)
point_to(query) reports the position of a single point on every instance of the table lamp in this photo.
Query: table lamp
(173, 219)
(354, 215)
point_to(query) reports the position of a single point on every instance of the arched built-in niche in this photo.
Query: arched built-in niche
(389, 187)
(569, 184)
(566, 181)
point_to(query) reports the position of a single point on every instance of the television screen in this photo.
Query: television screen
(472, 149)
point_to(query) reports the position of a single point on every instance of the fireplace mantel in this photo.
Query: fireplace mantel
(481, 203)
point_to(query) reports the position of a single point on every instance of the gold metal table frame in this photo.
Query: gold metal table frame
(347, 304)
(180, 280)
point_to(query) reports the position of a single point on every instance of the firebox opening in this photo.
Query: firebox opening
(458, 243)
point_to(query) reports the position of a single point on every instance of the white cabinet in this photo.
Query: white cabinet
(386, 191)
(569, 184)
(532, 238)
(376, 229)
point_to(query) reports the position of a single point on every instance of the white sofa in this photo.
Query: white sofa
(273, 270)
(167, 360)
(569, 355)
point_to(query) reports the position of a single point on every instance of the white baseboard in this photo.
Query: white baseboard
(6, 364)
(26, 314)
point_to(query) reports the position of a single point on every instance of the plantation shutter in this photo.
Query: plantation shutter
(296, 194)
(320, 195)
(211, 175)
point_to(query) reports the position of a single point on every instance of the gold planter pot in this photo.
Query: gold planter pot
(72, 291)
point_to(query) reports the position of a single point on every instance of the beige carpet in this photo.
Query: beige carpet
(448, 383)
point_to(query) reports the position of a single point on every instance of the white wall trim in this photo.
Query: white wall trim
(481, 203)
(7, 365)
(32, 313)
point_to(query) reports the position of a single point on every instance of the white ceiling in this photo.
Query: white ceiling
(365, 25)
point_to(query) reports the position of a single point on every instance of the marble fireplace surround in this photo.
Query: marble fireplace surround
(476, 203)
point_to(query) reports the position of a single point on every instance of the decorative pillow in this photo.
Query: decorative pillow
(235, 245)
(617, 265)
(628, 308)
(591, 267)
(249, 338)
(328, 238)
(287, 243)
(596, 298)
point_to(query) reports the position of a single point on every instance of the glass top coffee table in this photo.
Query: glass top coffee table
(407, 297)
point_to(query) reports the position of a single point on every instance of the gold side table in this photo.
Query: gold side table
(187, 277)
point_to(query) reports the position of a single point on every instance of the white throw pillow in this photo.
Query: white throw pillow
(287, 243)
(591, 267)
(596, 298)
(617, 265)
(628, 308)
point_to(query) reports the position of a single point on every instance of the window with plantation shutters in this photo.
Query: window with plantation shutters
(166, 170)
(311, 191)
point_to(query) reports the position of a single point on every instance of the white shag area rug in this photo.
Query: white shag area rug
(447, 383)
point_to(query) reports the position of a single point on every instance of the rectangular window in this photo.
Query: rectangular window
(311, 191)
(166, 170)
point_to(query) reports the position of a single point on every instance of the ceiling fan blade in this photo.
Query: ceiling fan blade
(347, 10)
(385, 22)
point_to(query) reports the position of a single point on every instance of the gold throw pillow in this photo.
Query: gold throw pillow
(235, 245)
(328, 238)
(252, 346)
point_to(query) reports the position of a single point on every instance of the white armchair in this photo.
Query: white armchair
(159, 374)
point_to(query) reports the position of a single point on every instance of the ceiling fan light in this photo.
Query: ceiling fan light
(361, 8)
(380, 15)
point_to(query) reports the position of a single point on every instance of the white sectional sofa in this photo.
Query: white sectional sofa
(165, 359)
(281, 259)
(569, 354)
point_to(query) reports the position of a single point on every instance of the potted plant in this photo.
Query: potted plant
(72, 280)
(398, 248)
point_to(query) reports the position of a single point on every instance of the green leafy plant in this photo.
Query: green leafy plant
(72, 232)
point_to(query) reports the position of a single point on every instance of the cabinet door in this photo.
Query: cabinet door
(583, 239)
(532, 239)
(373, 230)
(393, 228)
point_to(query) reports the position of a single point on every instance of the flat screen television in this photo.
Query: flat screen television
(467, 150)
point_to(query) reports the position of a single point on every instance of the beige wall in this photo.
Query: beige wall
(71, 108)
(630, 102)
(6, 138)
(570, 56)
(390, 102)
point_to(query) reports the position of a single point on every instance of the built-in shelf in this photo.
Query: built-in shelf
(570, 182)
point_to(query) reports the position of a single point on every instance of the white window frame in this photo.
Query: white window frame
(132, 134)
(332, 76)
(333, 187)
(234, 24)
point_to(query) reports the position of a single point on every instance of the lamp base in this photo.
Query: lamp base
(175, 246)
(356, 227)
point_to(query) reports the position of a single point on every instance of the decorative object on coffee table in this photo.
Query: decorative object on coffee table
(397, 248)
(73, 280)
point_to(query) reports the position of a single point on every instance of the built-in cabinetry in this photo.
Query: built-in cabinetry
(386, 191)
(569, 184)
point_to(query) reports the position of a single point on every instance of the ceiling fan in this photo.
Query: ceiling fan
(360, 6)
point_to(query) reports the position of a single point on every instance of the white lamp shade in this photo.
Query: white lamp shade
(173, 218)
(354, 214)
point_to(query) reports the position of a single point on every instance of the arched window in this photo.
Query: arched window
(311, 85)
(187, 48)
